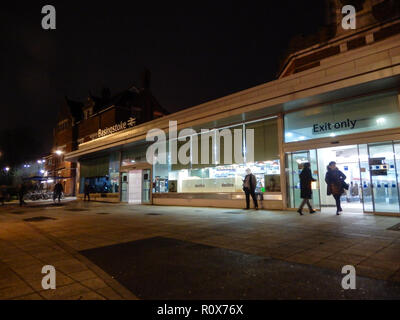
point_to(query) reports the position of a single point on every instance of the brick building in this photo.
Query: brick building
(82, 121)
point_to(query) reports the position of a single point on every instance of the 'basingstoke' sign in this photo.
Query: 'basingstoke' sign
(117, 127)
(328, 126)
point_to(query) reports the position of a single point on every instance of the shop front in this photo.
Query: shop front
(361, 136)
(219, 183)
(99, 174)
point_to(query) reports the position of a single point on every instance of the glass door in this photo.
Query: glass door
(384, 177)
(365, 178)
(295, 162)
(396, 147)
(316, 199)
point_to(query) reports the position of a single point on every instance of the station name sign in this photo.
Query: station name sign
(117, 127)
(326, 127)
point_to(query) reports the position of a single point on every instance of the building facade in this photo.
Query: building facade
(337, 100)
(80, 122)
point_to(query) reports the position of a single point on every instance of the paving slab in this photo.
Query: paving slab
(165, 268)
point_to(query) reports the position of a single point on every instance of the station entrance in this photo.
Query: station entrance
(372, 172)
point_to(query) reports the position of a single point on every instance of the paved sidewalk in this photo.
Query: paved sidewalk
(25, 249)
(321, 240)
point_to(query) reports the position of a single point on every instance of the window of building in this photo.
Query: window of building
(134, 154)
(87, 112)
(62, 125)
(223, 174)
(102, 174)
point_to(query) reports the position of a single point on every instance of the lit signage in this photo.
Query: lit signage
(326, 127)
(117, 127)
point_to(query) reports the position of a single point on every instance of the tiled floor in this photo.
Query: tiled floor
(322, 240)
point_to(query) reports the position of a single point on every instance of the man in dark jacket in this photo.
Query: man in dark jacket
(21, 194)
(249, 188)
(58, 190)
(305, 188)
(86, 191)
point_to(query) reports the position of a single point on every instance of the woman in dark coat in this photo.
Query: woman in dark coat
(335, 179)
(305, 188)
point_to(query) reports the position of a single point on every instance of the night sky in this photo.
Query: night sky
(196, 51)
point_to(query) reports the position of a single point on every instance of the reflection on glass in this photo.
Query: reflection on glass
(366, 186)
(295, 165)
(227, 178)
(384, 179)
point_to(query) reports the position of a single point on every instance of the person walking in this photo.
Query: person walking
(305, 188)
(58, 190)
(21, 194)
(249, 188)
(86, 191)
(335, 180)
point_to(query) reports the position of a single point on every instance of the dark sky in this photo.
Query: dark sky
(196, 51)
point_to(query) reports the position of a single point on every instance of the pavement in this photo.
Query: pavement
(121, 252)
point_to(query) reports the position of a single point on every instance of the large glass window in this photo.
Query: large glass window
(352, 116)
(114, 172)
(223, 174)
(134, 154)
(161, 174)
(96, 173)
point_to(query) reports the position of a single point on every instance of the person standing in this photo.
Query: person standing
(335, 180)
(58, 190)
(86, 191)
(249, 188)
(305, 188)
(21, 194)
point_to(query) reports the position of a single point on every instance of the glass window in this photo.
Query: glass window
(134, 154)
(223, 176)
(95, 172)
(102, 174)
(160, 175)
(114, 171)
(353, 116)
(265, 139)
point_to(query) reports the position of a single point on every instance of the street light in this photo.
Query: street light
(59, 152)
(7, 169)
